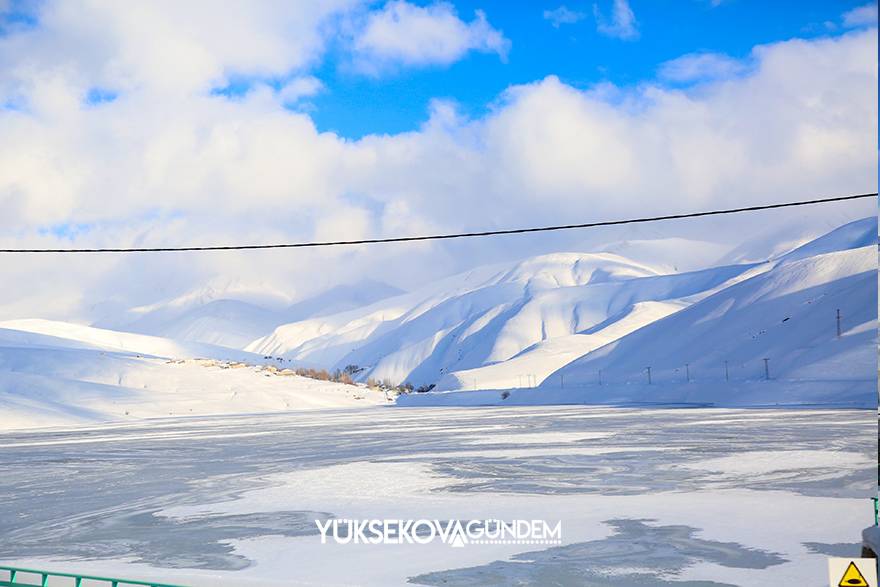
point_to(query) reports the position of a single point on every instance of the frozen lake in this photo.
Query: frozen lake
(686, 497)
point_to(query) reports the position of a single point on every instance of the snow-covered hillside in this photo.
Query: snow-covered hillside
(713, 350)
(442, 333)
(483, 316)
(513, 325)
(534, 364)
(787, 315)
(56, 373)
(236, 316)
(52, 333)
(575, 327)
(230, 323)
(340, 299)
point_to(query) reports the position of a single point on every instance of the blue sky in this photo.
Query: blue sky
(396, 98)
(354, 104)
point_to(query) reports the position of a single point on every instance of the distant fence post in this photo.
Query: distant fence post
(687, 370)
(649, 375)
(767, 369)
(600, 376)
(838, 323)
(726, 372)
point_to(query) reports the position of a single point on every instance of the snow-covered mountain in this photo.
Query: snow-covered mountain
(340, 299)
(786, 315)
(224, 322)
(536, 364)
(235, 317)
(713, 350)
(514, 325)
(539, 330)
(492, 314)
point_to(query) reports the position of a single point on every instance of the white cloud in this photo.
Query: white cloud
(300, 87)
(622, 24)
(166, 46)
(199, 169)
(700, 67)
(563, 15)
(861, 16)
(406, 34)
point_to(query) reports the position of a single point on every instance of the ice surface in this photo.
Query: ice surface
(646, 497)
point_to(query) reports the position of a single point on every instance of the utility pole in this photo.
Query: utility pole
(767, 369)
(838, 323)
(649, 375)
(726, 372)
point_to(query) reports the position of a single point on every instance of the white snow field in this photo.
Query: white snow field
(645, 497)
(56, 373)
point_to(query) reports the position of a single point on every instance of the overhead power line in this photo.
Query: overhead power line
(432, 237)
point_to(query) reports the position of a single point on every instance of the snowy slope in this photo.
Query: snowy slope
(453, 321)
(490, 315)
(339, 299)
(776, 241)
(52, 333)
(787, 314)
(55, 373)
(45, 386)
(861, 233)
(153, 318)
(205, 316)
(533, 365)
(784, 311)
(671, 254)
(230, 323)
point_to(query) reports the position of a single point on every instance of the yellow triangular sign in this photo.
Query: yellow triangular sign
(853, 577)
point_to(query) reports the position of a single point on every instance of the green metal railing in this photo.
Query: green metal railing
(14, 579)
